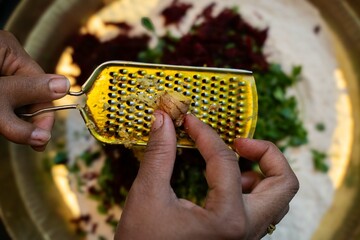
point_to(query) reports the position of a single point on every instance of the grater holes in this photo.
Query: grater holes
(204, 88)
(213, 98)
(205, 80)
(113, 81)
(241, 104)
(142, 72)
(160, 88)
(121, 92)
(204, 101)
(222, 96)
(233, 79)
(121, 113)
(149, 111)
(240, 110)
(223, 89)
(113, 74)
(139, 114)
(130, 117)
(239, 124)
(160, 74)
(196, 90)
(187, 79)
(195, 104)
(177, 89)
(187, 93)
(121, 105)
(214, 85)
(196, 83)
(120, 120)
(197, 76)
(214, 78)
(205, 94)
(111, 109)
(139, 121)
(112, 95)
(169, 78)
(179, 75)
(122, 85)
(130, 103)
(132, 75)
(214, 92)
(123, 71)
(131, 89)
(231, 107)
(140, 107)
(169, 85)
(187, 86)
(195, 97)
(112, 88)
(110, 116)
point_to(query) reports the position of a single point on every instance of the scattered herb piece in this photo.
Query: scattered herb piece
(61, 157)
(319, 159)
(147, 23)
(320, 127)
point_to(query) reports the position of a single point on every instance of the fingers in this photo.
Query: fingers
(269, 201)
(157, 166)
(249, 180)
(26, 90)
(38, 91)
(271, 161)
(222, 170)
(13, 58)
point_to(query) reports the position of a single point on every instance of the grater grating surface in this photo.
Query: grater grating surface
(121, 95)
(121, 98)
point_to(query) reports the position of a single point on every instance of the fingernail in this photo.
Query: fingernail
(158, 122)
(40, 136)
(59, 84)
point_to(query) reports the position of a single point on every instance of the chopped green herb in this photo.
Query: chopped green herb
(320, 127)
(319, 159)
(61, 158)
(147, 23)
(89, 157)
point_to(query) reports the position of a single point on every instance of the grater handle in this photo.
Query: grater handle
(55, 108)
(49, 109)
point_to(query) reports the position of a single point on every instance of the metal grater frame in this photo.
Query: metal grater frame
(120, 100)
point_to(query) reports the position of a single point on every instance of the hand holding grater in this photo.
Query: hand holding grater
(121, 99)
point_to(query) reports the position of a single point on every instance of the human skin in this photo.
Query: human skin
(25, 87)
(153, 211)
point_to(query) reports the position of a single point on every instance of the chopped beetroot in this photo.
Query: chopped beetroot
(89, 52)
(225, 40)
(175, 12)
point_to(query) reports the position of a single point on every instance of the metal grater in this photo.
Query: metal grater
(120, 96)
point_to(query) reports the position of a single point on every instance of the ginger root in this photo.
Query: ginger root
(175, 104)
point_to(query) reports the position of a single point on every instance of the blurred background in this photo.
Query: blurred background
(340, 18)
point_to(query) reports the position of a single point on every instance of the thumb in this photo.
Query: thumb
(158, 163)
